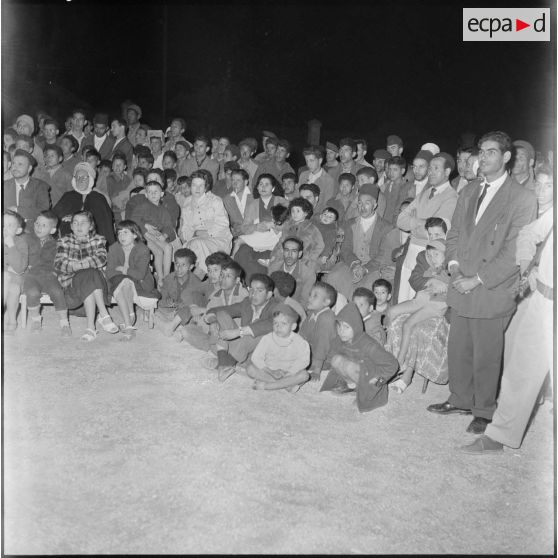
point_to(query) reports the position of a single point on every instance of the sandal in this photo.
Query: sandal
(89, 335)
(107, 324)
(399, 386)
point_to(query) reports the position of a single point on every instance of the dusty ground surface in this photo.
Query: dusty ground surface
(112, 447)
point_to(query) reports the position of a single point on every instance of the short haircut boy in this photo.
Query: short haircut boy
(397, 160)
(265, 280)
(382, 283)
(314, 188)
(234, 267)
(330, 291)
(289, 176)
(363, 292)
(170, 154)
(369, 172)
(217, 258)
(331, 210)
(242, 173)
(284, 282)
(305, 205)
(185, 253)
(51, 216)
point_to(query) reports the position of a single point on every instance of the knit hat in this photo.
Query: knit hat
(527, 146)
(438, 244)
(425, 155)
(26, 119)
(27, 155)
(370, 190)
(101, 118)
(432, 147)
(87, 168)
(448, 158)
(394, 140)
(268, 134)
(136, 108)
(350, 315)
(287, 311)
(381, 154)
(331, 147)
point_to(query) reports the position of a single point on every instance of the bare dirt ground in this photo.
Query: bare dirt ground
(113, 447)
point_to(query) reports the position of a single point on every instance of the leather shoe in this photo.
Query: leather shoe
(447, 409)
(482, 445)
(478, 425)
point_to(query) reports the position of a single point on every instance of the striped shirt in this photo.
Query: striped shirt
(70, 250)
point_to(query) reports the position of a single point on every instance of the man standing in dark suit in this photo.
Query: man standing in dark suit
(101, 140)
(118, 129)
(28, 196)
(481, 260)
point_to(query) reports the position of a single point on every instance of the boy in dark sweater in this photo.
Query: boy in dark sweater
(41, 277)
(359, 364)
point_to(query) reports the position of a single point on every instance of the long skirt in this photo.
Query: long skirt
(84, 282)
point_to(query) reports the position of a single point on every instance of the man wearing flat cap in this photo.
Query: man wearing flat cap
(480, 253)
(437, 199)
(22, 193)
(523, 164)
(133, 116)
(332, 152)
(100, 139)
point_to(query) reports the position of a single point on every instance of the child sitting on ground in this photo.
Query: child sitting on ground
(80, 257)
(381, 288)
(128, 273)
(281, 357)
(157, 227)
(366, 301)
(428, 303)
(41, 277)
(16, 259)
(359, 364)
(180, 290)
(319, 327)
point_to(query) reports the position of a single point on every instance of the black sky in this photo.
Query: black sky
(362, 69)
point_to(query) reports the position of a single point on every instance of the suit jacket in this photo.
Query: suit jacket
(378, 252)
(326, 185)
(125, 147)
(34, 199)
(243, 310)
(235, 217)
(488, 248)
(106, 146)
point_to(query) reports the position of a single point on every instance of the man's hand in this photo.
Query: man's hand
(465, 285)
(196, 310)
(229, 334)
(454, 270)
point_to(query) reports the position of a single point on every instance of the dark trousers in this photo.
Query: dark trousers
(475, 354)
(35, 285)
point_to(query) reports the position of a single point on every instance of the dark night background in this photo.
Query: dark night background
(364, 70)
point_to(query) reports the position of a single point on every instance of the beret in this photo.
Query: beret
(136, 108)
(331, 147)
(27, 119)
(101, 118)
(394, 140)
(370, 190)
(381, 154)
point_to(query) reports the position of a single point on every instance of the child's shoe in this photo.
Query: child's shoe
(107, 324)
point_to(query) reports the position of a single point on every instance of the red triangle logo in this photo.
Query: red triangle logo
(519, 25)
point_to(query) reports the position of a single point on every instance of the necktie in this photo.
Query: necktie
(432, 192)
(481, 197)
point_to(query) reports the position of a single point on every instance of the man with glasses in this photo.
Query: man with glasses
(480, 250)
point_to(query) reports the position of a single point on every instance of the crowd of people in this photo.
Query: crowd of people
(352, 273)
